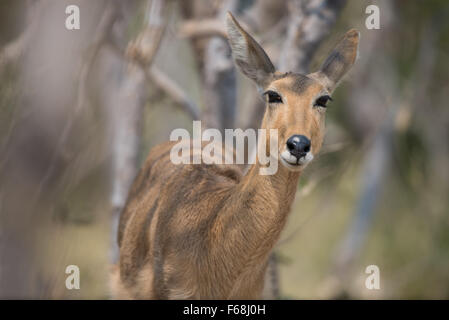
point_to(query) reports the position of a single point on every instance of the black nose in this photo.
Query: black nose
(298, 145)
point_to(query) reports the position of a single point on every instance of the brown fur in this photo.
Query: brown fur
(205, 231)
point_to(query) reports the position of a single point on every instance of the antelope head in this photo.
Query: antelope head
(295, 103)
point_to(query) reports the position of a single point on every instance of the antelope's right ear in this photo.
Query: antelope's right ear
(248, 54)
(339, 61)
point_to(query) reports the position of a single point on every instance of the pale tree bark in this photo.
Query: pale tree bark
(309, 23)
(126, 124)
(202, 28)
(126, 100)
(220, 92)
(175, 92)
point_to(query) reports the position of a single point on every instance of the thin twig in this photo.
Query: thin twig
(143, 50)
(141, 53)
(138, 57)
(174, 91)
(169, 87)
(194, 28)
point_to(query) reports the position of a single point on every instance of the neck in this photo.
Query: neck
(255, 215)
(250, 224)
(276, 192)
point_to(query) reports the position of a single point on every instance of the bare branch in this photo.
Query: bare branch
(196, 28)
(220, 89)
(271, 289)
(174, 91)
(202, 28)
(143, 50)
(132, 92)
(158, 78)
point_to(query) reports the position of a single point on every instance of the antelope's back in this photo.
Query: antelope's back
(167, 196)
(156, 169)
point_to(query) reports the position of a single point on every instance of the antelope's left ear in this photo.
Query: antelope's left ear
(339, 61)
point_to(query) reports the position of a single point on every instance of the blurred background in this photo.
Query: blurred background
(80, 109)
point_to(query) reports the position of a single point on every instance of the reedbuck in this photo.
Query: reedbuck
(205, 231)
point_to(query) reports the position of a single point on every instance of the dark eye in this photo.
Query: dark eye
(273, 97)
(321, 101)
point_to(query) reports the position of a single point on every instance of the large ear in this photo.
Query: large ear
(339, 61)
(248, 54)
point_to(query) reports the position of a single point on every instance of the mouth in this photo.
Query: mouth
(293, 163)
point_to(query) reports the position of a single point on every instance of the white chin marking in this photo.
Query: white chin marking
(292, 163)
